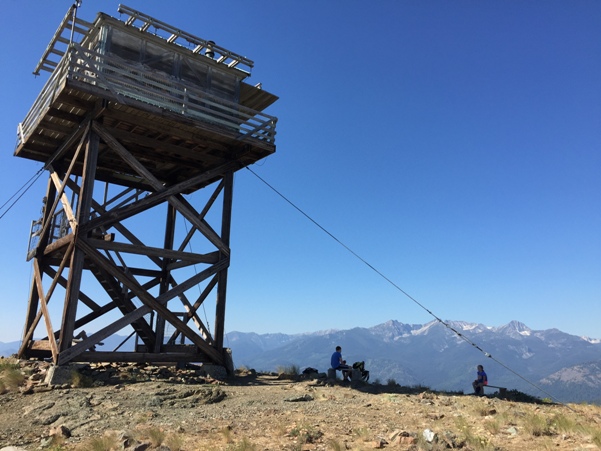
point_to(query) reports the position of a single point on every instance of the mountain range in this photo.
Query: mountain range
(440, 355)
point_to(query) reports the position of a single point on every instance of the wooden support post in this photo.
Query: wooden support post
(77, 259)
(226, 222)
(165, 273)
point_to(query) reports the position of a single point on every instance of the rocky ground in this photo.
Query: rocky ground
(130, 407)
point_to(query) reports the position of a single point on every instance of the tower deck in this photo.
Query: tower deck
(177, 126)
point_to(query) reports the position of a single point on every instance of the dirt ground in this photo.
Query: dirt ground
(128, 407)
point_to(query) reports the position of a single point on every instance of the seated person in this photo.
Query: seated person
(339, 364)
(480, 382)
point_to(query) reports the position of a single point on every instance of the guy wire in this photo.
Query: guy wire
(463, 337)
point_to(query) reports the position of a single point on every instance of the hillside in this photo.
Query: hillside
(149, 408)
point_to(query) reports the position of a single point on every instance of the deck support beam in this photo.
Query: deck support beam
(90, 252)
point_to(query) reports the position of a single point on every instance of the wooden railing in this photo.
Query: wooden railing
(125, 80)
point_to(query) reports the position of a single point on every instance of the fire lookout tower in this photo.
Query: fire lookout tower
(137, 119)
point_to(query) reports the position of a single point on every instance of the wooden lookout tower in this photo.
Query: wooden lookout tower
(141, 127)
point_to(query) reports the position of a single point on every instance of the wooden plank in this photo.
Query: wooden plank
(158, 124)
(209, 258)
(44, 309)
(75, 119)
(64, 199)
(188, 257)
(57, 245)
(41, 345)
(142, 357)
(162, 146)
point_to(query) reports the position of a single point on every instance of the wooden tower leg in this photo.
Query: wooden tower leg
(165, 273)
(32, 318)
(226, 222)
(77, 260)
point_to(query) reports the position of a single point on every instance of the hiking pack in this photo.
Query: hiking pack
(360, 366)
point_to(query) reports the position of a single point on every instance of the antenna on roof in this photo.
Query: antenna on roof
(74, 8)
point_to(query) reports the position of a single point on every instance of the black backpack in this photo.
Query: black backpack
(360, 366)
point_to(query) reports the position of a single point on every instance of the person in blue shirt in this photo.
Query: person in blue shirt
(340, 365)
(480, 381)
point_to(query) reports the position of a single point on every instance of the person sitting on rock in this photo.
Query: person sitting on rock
(340, 365)
(480, 381)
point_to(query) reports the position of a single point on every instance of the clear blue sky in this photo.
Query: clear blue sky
(455, 146)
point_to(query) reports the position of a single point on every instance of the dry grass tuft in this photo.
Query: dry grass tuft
(11, 378)
(106, 442)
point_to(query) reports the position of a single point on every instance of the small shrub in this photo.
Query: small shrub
(335, 445)
(79, 380)
(107, 442)
(8, 364)
(143, 417)
(56, 443)
(391, 397)
(290, 370)
(306, 434)
(482, 410)
(464, 427)
(492, 426)
(391, 383)
(156, 436)
(242, 445)
(477, 442)
(362, 433)
(596, 437)
(226, 432)
(537, 425)
(563, 424)
(174, 442)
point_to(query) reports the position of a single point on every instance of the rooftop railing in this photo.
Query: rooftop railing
(123, 80)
